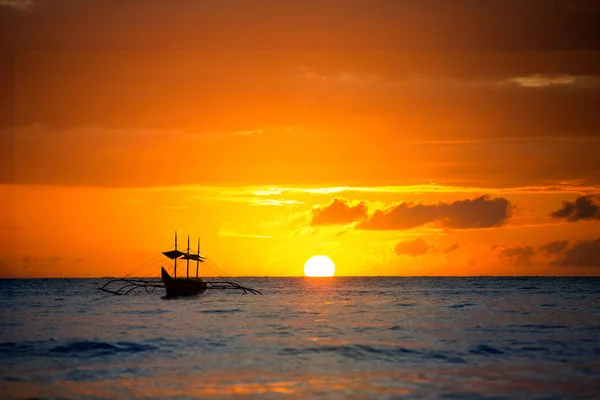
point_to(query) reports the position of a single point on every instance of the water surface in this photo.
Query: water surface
(359, 338)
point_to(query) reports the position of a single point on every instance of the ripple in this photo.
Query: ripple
(461, 305)
(234, 310)
(368, 353)
(87, 348)
(394, 338)
(143, 312)
(485, 349)
(538, 326)
(396, 328)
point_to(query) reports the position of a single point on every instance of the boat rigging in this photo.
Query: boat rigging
(174, 286)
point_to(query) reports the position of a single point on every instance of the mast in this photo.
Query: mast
(198, 259)
(175, 259)
(187, 260)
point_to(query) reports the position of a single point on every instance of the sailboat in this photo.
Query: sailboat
(187, 286)
(176, 286)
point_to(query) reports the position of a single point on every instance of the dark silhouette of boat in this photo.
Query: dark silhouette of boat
(187, 286)
(182, 286)
(173, 285)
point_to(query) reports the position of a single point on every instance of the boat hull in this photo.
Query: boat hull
(176, 287)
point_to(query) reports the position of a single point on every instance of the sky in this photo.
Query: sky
(396, 137)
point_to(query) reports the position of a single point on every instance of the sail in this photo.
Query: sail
(194, 257)
(173, 254)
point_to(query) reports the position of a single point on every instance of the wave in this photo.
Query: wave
(485, 349)
(234, 310)
(461, 305)
(550, 350)
(362, 352)
(142, 312)
(84, 348)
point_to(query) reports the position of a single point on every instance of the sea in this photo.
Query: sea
(305, 338)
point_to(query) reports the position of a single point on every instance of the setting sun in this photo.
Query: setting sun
(318, 266)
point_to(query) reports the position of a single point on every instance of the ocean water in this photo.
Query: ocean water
(346, 338)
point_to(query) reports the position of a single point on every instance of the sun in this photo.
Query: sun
(319, 266)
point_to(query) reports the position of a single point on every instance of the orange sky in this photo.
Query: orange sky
(396, 138)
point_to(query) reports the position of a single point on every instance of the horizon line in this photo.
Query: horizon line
(323, 277)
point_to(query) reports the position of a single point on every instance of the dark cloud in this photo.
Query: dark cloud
(585, 253)
(231, 64)
(554, 247)
(341, 24)
(419, 247)
(416, 247)
(583, 208)
(339, 211)
(481, 212)
(518, 255)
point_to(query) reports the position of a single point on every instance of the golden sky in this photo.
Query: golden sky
(396, 137)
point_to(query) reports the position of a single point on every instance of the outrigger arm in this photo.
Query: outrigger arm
(126, 285)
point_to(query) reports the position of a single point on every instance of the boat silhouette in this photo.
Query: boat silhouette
(176, 286)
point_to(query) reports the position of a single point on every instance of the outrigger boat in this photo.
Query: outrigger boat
(174, 286)
(183, 287)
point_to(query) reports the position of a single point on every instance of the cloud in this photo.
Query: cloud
(538, 81)
(235, 234)
(340, 77)
(227, 231)
(554, 247)
(249, 132)
(420, 80)
(21, 4)
(481, 212)
(450, 248)
(416, 247)
(585, 253)
(431, 25)
(518, 255)
(339, 211)
(246, 192)
(419, 247)
(275, 202)
(583, 208)
(246, 88)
